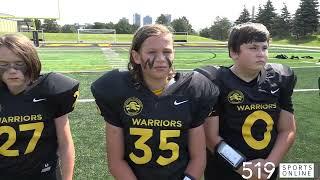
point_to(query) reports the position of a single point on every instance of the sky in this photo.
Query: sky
(200, 13)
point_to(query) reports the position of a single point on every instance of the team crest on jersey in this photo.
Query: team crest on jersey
(132, 106)
(235, 97)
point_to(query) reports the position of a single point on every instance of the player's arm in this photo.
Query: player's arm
(197, 152)
(118, 167)
(211, 127)
(65, 146)
(286, 136)
(286, 126)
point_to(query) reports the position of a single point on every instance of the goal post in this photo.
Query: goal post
(180, 36)
(96, 36)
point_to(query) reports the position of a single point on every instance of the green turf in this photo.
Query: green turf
(88, 127)
(306, 147)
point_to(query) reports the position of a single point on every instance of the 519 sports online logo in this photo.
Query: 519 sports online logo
(286, 170)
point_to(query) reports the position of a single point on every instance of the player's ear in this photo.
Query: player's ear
(234, 55)
(136, 56)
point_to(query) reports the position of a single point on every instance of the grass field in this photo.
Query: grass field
(88, 127)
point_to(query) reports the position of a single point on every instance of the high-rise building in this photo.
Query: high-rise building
(137, 19)
(147, 20)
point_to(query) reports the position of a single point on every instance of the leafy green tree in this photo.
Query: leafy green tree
(306, 19)
(69, 28)
(37, 23)
(220, 28)
(123, 26)
(205, 33)
(162, 19)
(244, 17)
(51, 25)
(109, 25)
(98, 25)
(182, 25)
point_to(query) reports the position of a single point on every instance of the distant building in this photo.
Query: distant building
(168, 16)
(8, 23)
(147, 20)
(137, 19)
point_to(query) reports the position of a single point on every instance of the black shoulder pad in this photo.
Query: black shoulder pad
(56, 83)
(112, 82)
(287, 80)
(209, 71)
(281, 69)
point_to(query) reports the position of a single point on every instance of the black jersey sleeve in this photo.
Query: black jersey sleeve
(212, 73)
(287, 83)
(63, 92)
(205, 94)
(106, 92)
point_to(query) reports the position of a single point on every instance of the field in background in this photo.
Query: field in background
(88, 127)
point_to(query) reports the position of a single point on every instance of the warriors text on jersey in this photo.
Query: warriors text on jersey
(155, 127)
(249, 111)
(28, 141)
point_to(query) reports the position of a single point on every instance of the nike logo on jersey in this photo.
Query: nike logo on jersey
(273, 92)
(38, 100)
(46, 168)
(178, 103)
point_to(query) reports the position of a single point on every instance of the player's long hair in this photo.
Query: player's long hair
(247, 33)
(23, 48)
(139, 37)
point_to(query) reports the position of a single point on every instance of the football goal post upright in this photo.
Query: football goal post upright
(96, 36)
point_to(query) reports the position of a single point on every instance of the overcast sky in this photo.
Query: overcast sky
(200, 13)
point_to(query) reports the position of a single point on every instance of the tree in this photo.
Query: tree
(205, 33)
(109, 25)
(244, 17)
(182, 25)
(282, 24)
(69, 28)
(98, 25)
(162, 19)
(37, 23)
(123, 26)
(50, 25)
(219, 30)
(265, 16)
(306, 19)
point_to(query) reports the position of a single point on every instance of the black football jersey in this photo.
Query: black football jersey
(155, 127)
(28, 141)
(249, 111)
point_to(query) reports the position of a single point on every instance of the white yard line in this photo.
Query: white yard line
(114, 59)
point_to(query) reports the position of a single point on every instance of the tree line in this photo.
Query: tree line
(304, 22)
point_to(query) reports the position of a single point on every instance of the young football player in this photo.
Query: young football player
(34, 125)
(254, 125)
(153, 115)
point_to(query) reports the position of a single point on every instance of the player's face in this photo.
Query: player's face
(12, 70)
(156, 56)
(252, 56)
